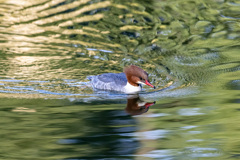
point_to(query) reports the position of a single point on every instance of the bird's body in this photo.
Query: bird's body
(128, 81)
(114, 82)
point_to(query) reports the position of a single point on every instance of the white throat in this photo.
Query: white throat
(132, 89)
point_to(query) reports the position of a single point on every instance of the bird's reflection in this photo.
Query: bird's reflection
(107, 132)
(136, 106)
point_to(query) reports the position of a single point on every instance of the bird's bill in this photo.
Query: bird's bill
(149, 84)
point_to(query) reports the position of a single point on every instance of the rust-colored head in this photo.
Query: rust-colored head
(136, 75)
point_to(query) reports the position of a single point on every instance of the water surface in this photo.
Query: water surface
(189, 48)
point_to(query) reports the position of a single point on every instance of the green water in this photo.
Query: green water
(189, 48)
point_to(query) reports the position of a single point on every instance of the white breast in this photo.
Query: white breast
(132, 89)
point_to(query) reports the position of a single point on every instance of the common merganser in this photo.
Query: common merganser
(129, 81)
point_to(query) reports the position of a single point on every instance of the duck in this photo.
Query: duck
(130, 81)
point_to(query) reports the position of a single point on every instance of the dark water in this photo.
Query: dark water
(189, 48)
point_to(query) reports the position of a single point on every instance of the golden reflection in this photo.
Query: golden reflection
(119, 6)
(128, 27)
(95, 17)
(70, 15)
(25, 3)
(62, 8)
(25, 29)
(81, 32)
(24, 16)
(36, 39)
(34, 67)
(26, 60)
(23, 109)
(26, 65)
(91, 29)
(23, 41)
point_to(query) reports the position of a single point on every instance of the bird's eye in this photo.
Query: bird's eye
(141, 78)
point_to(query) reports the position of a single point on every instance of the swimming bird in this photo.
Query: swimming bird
(129, 81)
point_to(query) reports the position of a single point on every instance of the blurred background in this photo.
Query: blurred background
(190, 48)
